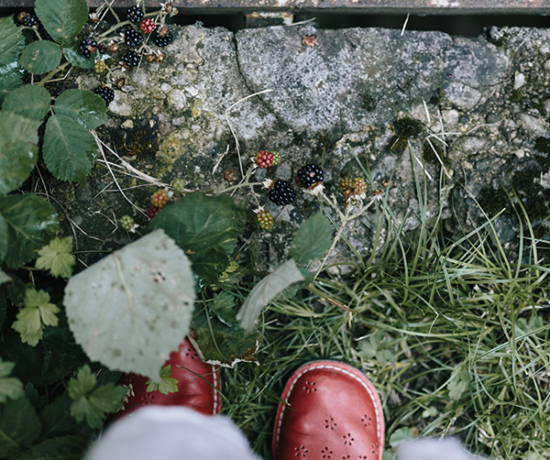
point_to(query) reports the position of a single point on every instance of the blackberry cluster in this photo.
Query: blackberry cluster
(28, 19)
(133, 38)
(281, 194)
(106, 93)
(102, 48)
(131, 58)
(134, 14)
(162, 41)
(86, 47)
(310, 175)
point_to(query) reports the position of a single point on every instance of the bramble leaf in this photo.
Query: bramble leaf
(56, 257)
(10, 387)
(32, 223)
(223, 306)
(166, 385)
(312, 240)
(69, 149)
(19, 426)
(76, 59)
(37, 314)
(29, 101)
(63, 19)
(267, 289)
(12, 43)
(62, 448)
(130, 310)
(56, 419)
(84, 107)
(40, 57)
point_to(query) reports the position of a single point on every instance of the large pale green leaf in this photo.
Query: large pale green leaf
(62, 448)
(19, 426)
(29, 101)
(32, 223)
(40, 57)
(63, 19)
(133, 308)
(78, 60)
(220, 344)
(3, 239)
(203, 226)
(267, 289)
(84, 107)
(12, 41)
(69, 149)
(312, 240)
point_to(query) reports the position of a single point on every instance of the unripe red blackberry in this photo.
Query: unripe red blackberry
(153, 211)
(160, 198)
(147, 26)
(263, 159)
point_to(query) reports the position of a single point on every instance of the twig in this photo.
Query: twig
(220, 160)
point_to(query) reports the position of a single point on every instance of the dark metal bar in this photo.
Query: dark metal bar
(537, 7)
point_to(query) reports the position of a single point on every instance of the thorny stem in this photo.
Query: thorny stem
(59, 68)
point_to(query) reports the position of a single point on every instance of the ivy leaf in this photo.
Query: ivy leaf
(130, 310)
(166, 385)
(19, 426)
(31, 221)
(267, 289)
(62, 19)
(84, 107)
(40, 57)
(37, 314)
(76, 59)
(69, 149)
(10, 387)
(62, 448)
(312, 240)
(57, 257)
(91, 403)
(29, 101)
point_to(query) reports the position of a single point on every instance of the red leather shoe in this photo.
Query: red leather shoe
(198, 387)
(333, 412)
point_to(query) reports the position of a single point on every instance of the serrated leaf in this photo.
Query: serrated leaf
(63, 19)
(19, 426)
(29, 101)
(10, 387)
(131, 309)
(220, 344)
(32, 222)
(11, 77)
(203, 226)
(223, 306)
(40, 57)
(69, 149)
(312, 240)
(12, 41)
(56, 257)
(459, 382)
(76, 59)
(84, 382)
(262, 294)
(57, 420)
(62, 448)
(84, 107)
(37, 314)
(166, 385)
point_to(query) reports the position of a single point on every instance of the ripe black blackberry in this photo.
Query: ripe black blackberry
(27, 19)
(162, 41)
(310, 175)
(133, 38)
(83, 49)
(281, 194)
(131, 58)
(134, 14)
(106, 93)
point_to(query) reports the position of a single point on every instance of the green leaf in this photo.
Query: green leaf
(29, 101)
(57, 257)
(63, 19)
(402, 435)
(220, 344)
(262, 294)
(57, 420)
(37, 314)
(208, 265)
(69, 149)
(76, 59)
(61, 353)
(223, 307)
(32, 222)
(312, 240)
(3, 305)
(62, 448)
(166, 385)
(40, 57)
(4, 277)
(3, 241)
(10, 387)
(84, 107)
(11, 77)
(19, 426)
(459, 382)
(12, 41)
(18, 155)
(202, 226)
(84, 383)
(130, 310)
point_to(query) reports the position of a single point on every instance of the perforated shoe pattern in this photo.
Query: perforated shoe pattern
(334, 413)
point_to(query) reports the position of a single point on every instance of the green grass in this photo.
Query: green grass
(454, 335)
